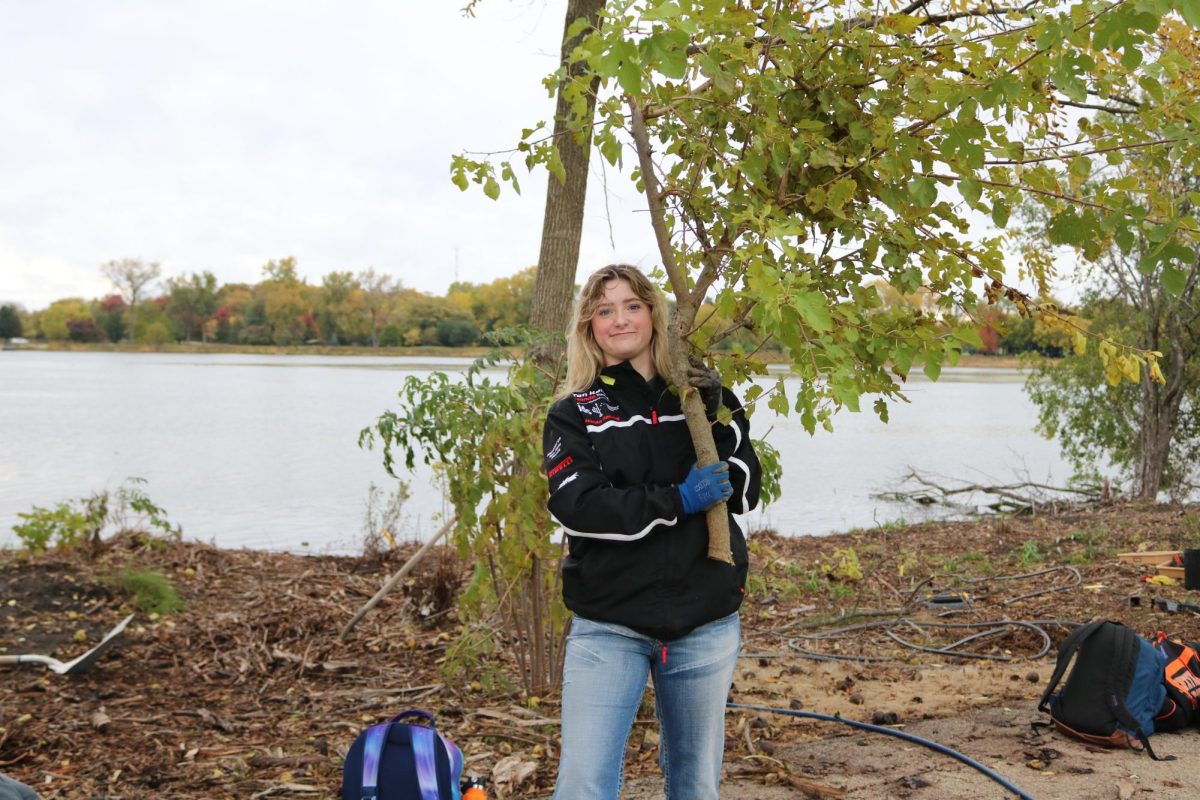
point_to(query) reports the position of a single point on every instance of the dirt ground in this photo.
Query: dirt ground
(247, 692)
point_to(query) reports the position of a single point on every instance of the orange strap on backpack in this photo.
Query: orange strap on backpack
(1183, 667)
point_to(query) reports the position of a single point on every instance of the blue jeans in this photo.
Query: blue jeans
(604, 677)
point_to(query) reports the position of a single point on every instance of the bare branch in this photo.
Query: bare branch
(1070, 154)
(739, 322)
(1094, 106)
(641, 141)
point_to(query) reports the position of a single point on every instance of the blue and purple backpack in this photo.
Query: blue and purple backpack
(402, 761)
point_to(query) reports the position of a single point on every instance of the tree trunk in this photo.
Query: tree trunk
(1159, 420)
(562, 223)
(1160, 404)
(1153, 449)
(553, 294)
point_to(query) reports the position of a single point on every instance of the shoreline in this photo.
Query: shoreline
(966, 361)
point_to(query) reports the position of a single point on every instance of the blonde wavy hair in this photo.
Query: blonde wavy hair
(584, 357)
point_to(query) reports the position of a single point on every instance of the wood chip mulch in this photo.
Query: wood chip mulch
(248, 693)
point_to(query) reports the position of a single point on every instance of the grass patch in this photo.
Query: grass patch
(1030, 553)
(978, 562)
(148, 590)
(841, 591)
(1092, 540)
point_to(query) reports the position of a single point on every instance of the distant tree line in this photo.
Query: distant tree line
(367, 308)
(373, 309)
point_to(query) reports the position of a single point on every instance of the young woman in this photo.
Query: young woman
(647, 599)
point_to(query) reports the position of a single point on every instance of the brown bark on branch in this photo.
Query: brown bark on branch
(686, 304)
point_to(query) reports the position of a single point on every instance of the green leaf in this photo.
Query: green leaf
(629, 75)
(813, 310)
(1165, 254)
(491, 188)
(507, 174)
(846, 393)
(1174, 280)
(970, 335)
(1160, 233)
(923, 191)
(622, 60)
(1190, 9)
(1000, 213)
(816, 198)
(1152, 87)
(778, 402)
(1081, 168)
(902, 23)
(933, 367)
(754, 166)
(971, 190)
(1174, 62)
(577, 27)
(1068, 74)
(839, 194)
(662, 11)
(1068, 227)
(667, 52)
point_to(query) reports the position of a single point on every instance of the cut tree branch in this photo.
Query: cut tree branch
(686, 304)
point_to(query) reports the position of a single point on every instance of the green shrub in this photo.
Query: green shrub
(457, 333)
(65, 525)
(391, 336)
(157, 332)
(82, 521)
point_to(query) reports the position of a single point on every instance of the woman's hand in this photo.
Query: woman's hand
(708, 383)
(705, 486)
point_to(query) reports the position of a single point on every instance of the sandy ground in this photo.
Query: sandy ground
(981, 711)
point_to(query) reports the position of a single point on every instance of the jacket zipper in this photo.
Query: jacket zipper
(667, 576)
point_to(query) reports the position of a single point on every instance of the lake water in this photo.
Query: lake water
(261, 451)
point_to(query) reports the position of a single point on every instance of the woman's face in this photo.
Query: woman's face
(622, 325)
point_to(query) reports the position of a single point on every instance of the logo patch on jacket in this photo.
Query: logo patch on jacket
(596, 407)
(560, 466)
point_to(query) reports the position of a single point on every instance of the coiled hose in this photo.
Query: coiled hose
(866, 726)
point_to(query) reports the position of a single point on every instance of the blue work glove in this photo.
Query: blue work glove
(704, 487)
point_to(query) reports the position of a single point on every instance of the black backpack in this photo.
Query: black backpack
(1115, 690)
(402, 761)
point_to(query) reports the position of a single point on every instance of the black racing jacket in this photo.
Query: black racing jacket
(614, 455)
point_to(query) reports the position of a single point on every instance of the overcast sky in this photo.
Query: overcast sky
(217, 135)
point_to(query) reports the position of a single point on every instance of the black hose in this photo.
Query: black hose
(998, 627)
(866, 726)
